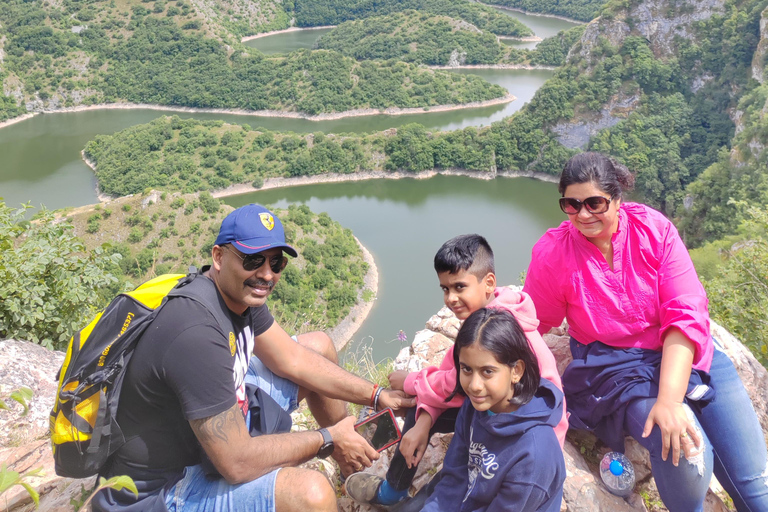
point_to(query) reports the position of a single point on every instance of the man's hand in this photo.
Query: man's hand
(395, 399)
(397, 379)
(414, 442)
(351, 451)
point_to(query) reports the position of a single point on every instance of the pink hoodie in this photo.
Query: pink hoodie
(432, 385)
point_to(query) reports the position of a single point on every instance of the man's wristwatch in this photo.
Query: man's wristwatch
(327, 447)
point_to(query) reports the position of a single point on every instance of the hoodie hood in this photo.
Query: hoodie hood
(519, 304)
(545, 408)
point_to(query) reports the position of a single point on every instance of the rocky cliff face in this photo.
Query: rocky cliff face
(749, 142)
(663, 24)
(761, 55)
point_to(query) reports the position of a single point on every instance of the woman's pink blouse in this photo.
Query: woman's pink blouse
(652, 287)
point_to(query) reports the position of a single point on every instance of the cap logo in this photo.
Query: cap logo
(267, 220)
(232, 346)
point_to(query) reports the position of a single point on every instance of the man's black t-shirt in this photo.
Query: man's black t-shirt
(185, 367)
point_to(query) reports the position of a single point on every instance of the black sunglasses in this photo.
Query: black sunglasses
(594, 204)
(252, 262)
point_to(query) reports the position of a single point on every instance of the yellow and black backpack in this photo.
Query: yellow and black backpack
(83, 426)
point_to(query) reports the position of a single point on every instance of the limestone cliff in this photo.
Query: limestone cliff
(668, 27)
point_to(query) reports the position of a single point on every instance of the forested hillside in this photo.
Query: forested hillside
(423, 38)
(313, 13)
(56, 274)
(78, 52)
(583, 10)
(416, 37)
(677, 94)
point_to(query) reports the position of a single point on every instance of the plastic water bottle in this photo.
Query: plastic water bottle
(617, 473)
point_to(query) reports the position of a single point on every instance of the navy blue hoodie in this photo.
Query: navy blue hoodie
(509, 461)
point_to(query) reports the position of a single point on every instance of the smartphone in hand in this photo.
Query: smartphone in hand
(380, 429)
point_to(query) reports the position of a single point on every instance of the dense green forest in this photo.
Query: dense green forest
(553, 51)
(419, 37)
(411, 36)
(161, 54)
(671, 137)
(673, 123)
(313, 13)
(582, 10)
(67, 272)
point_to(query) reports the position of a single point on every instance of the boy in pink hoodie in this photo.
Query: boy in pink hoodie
(465, 269)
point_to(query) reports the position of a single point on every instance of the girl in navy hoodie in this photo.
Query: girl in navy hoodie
(504, 454)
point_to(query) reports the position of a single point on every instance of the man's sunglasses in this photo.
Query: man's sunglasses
(594, 204)
(252, 262)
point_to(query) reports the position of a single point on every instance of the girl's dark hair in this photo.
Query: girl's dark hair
(606, 173)
(497, 331)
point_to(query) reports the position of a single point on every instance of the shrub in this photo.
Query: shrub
(49, 281)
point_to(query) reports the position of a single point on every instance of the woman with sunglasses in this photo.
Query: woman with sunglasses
(644, 361)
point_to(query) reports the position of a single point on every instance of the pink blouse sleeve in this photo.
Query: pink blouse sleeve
(682, 299)
(541, 286)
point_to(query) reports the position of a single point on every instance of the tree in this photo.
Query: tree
(49, 282)
(741, 287)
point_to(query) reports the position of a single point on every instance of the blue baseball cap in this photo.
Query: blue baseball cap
(253, 228)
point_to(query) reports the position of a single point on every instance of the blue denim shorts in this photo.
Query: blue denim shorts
(196, 492)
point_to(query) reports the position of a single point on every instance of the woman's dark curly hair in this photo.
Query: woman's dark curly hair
(606, 173)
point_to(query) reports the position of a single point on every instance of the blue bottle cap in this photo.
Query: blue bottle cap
(616, 467)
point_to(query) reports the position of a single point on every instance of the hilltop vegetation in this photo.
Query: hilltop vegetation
(79, 52)
(666, 106)
(56, 275)
(670, 136)
(188, 155)
(411, 36)
(423, 38)
(582, 10)
(313, 13)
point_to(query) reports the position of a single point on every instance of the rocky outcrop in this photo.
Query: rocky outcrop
(761, 54)
(662, 24)
(24, 443)
(661, 21)
(583, 490)
(575, 134)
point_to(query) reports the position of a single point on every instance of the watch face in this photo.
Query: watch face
(327, 447)
(325, 450)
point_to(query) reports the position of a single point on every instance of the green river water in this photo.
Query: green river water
(401, 222)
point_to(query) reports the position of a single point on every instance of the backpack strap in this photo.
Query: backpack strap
(200, 288)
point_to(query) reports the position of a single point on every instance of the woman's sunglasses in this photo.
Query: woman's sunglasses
(252, 262)
(594, 204)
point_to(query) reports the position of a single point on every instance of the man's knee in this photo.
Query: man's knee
(298, 489)
(320, 343)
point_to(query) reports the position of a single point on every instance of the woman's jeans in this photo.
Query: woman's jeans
(734, 444)
(399, 475)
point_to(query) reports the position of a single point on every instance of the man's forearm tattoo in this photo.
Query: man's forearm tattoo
(217, 427)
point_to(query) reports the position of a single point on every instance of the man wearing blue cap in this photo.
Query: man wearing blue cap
(185, 390)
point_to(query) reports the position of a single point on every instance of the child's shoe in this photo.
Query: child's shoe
(373, 490)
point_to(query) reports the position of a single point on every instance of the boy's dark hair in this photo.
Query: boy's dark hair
(498, 331)
(465, 252)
